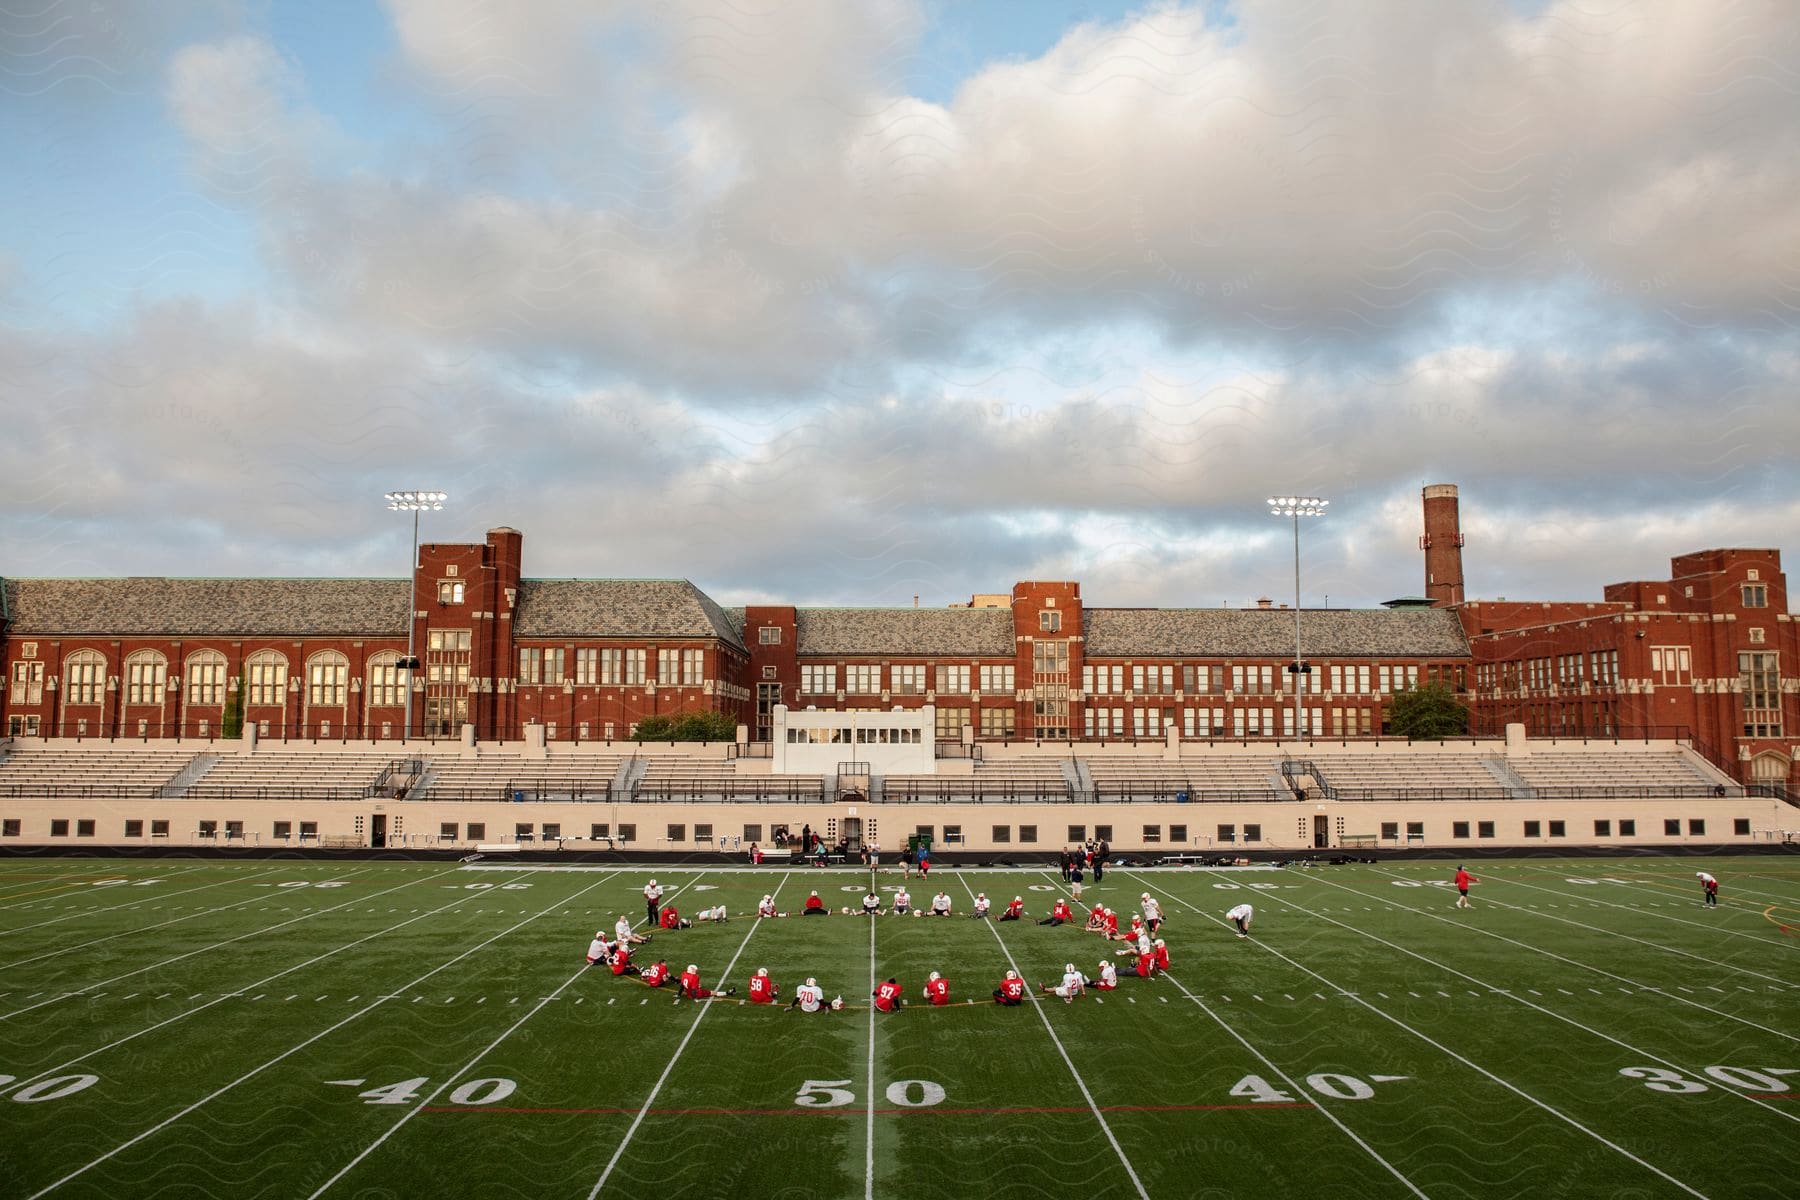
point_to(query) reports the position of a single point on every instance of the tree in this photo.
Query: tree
(231, 720)
(688, 727)
(1427, 713)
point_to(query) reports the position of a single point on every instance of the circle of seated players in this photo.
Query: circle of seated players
(1147, 953)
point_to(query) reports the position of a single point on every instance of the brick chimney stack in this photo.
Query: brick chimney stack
(1442, 544)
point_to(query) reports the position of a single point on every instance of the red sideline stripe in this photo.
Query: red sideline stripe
(845, 1110)
(1776, 1096)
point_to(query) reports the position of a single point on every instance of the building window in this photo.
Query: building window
(1002, 834)
(612, 667)
(84, 678)
(1671, 827)
(1252, 833)
(1628, 828)
(997, 679)
(553, 665)
(1152, 834)
(1696, 827)
(953, 681)
(1756, 595)
(1459, 829)
(477, 831)
(677, 833)
(144, 676)
(134, 829)
(1558, 829)
(862, 679)
(531, 668)
(1050, 621)
(818, 680)
(384, 682)
(327, 679)
(950, 722)
(1533, 829)
(908, 679)
(1227, 835)
(693, 668)
(587, 666)
(668, 667)
(206, 678)
(769, 635)
(628, 832)
(84, 827)
(1670, 665)
(1077, 834)
(1103, 833)
(59, 827)
(1760, 675)
(997, 722)
(752, 833)
(450, 592)
(1740, 826)
(636, 663)
(1602, 828)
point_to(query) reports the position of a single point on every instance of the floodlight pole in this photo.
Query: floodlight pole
(1297, 507)
(415, 503)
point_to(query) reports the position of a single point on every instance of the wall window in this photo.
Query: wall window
(1050, 621)
(1740, 826)
(553, 665)
(385, 690)
(450, 592)
(818, 680)
(1077, 834)
(145, 672)
(84, 827)
(9, 827)
(587, 666)
(1628, 828)
(1002, 834)
(612, 667)
(59, 827)
(1756, 595)
(206, 678)
(862, 679)
(997, 679)
(693, 668)
(1153, 680)
(769, 635)
(1602, 828)
(636, 663)
(1103, 680)
(327, 679)
(1671, 827)
(908, 679)
(1152, 834)
(1533, 829)
(1558, 829)
(668, 667)
(997, 722)
(1252, 833)
(1227, 835)
(953, 681)
(1028, 835)
(1760, 676)
(1670, 665)
(1484, 829)
(950, 722)
(1103, 833)
(1696, 827)
(1459, 829)
(84, 678)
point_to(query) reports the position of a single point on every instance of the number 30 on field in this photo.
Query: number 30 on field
(1661, 1079)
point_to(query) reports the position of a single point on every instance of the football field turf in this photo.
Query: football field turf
(179, 1028)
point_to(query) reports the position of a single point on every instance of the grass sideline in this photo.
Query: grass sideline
(301, 1029)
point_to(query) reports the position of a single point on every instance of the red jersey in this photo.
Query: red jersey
(1060, 911)
(1162, 958)
(814, 902)
(938, 991)
(1097, 914)
(762, 989)
(1015, 908)
(1111, 922)
(1012, 989)
(621, 960)
(670, 918)
(690, 981)
(1146, 965)
(1463, 879)
(887, 996)
(656, 975)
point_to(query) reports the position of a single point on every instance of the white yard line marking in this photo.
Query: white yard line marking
(205, 949)
(1642, 987)
(1710, 927)
(1297, 1090)
(869, 1129)
(292, 1050)
(182, 1016)
(136, 900)
(1441, 1048)
(676, 1057)
(1080, 1083)
(39, 900)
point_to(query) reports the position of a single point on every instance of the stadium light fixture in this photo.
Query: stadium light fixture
(414, 503)
(1296, 507)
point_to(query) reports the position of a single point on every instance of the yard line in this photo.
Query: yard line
(1432, 1042)
(228, 941)
(1067, 1061)
(1787, 943)
(869, 1132)
(292, 1050)
(1641, 941)
(1552, 1013)
(1687, 887)
(1297, 1089)
(676, 1057)
(1571, 961)
(182, 1016)
(127, 903)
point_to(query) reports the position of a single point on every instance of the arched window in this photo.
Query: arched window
(1768, 768)
(84, 677)
(206, 678)
(385, 684)
(145, 673)
(267, 670)
(327, 679)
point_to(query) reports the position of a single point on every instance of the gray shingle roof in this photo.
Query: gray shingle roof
(1269, 633)
(620, 608)
(984, 632)
(149, 607)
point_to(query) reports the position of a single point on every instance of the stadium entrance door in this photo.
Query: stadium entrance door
(377, 831)
(852, 828)
(1321, 833)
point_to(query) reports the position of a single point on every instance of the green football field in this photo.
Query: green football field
(177, 1028)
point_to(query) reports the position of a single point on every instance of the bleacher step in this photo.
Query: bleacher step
(1511, 780)
(191, 773)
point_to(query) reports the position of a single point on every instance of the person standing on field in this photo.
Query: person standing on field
(1240, 916)
(652, 901)
(1709, 889)
(1463, 880)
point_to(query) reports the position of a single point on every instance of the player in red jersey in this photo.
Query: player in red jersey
(1011, 991)
(1463, 880)
(1014, 910)
(887, 997)
(691, 989)
(1709, 889)
(1146, 965)
(656, 974)
(762, 988)
(1096, 920)
(671, 918)
(1162, 955)
(621, 961)
(1110, 928)
(815, 907)
(937, 990)
(1059, 913)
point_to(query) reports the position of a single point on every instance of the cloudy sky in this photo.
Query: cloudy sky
(843, 303)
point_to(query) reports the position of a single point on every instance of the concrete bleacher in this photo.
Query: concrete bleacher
(1142, 777)
(313, 773)
(1409, 772)
(89, 771)
(1234, 777)
(1614, 770)
(1010, 779)
(503, 776)
(694, 777)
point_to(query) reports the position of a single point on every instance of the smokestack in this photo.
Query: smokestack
(1442, 544)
